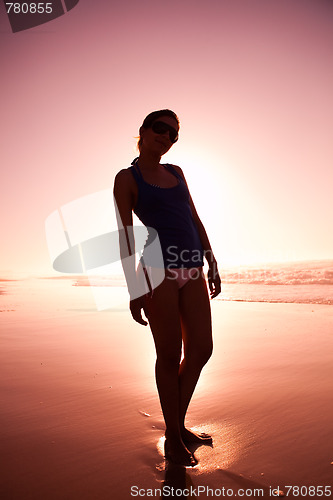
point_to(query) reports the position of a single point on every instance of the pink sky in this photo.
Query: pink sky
(251, 81)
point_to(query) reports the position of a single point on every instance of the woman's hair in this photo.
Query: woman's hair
(149, 120)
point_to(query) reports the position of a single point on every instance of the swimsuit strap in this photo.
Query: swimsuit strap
(137, 173)
(173, 171)
(137, 169)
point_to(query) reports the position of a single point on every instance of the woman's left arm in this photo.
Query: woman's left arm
(214, 280)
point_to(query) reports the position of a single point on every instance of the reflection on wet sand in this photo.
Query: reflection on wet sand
(229, 441)
(225, 450)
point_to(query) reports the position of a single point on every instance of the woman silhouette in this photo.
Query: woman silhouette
(178, 309)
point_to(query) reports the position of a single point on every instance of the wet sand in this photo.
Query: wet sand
(80, 417)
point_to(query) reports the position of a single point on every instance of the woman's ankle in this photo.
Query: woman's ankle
(173, 435)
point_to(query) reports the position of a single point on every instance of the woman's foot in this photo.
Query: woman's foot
(177, 453)
(190, 437)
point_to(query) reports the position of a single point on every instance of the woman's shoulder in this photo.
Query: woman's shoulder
(124, 179)
(124, 172)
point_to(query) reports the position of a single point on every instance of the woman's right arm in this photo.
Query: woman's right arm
(124, 202)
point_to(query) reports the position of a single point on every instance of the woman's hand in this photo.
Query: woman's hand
(135, 307)
(214, 280)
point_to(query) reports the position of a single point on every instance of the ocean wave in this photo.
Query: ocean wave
(291, 300)
(298, 283)
(307, 273)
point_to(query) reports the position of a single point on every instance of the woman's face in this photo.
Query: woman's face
(158, 142)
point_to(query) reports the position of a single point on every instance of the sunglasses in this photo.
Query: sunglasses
(161, 127)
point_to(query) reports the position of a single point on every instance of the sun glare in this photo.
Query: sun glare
(214, 192)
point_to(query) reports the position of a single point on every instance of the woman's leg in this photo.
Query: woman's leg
(196, 324)
(164, 319)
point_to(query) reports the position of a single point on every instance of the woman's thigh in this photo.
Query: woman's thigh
(164, 318)
(195, 314)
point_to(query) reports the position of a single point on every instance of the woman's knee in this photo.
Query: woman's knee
(206, 352)
(200, 354)
(168, 359)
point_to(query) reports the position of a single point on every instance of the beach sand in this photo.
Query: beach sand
(80, 416)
